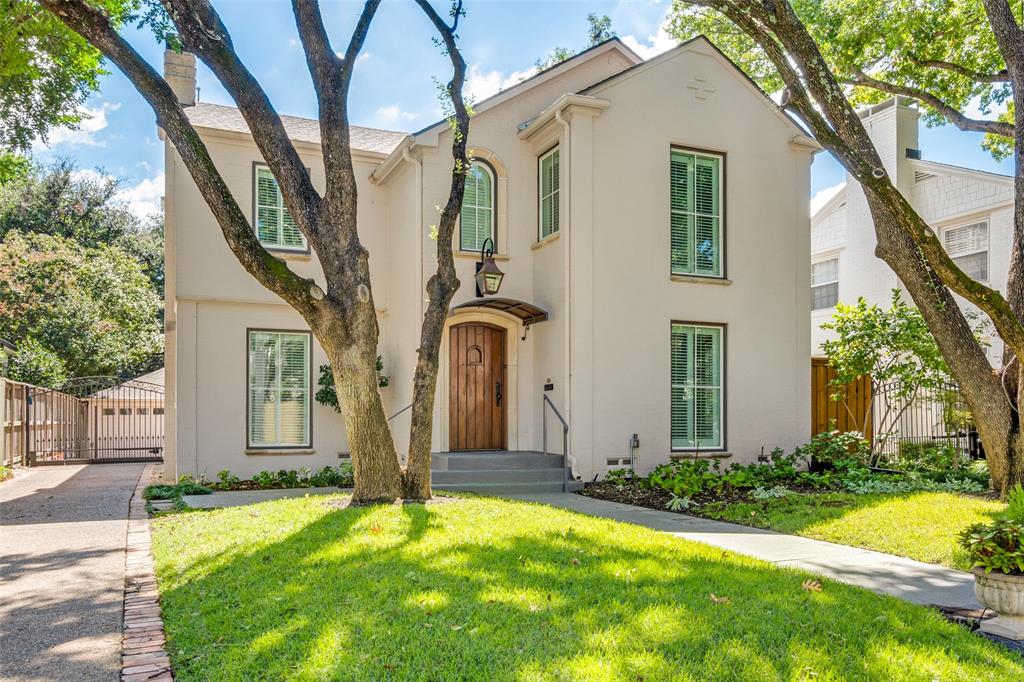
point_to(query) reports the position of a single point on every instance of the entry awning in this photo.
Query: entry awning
(527, 312)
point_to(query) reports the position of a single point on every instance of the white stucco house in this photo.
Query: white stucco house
(971, 210)
(651, 219)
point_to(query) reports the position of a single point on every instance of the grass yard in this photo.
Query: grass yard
(485, 589)
(922, 526)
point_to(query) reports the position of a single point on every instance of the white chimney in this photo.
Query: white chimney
(892, 125)
(180, 74)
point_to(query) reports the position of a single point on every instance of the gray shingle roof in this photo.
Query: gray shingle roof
(220, 117)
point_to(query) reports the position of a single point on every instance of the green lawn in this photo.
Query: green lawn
(922, 526)
(487, 589)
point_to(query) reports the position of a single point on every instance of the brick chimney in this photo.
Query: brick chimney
(180, 74)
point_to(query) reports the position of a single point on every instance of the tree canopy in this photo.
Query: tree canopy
(942, 53)
(75, 310)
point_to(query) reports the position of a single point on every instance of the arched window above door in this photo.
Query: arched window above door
(477, 220)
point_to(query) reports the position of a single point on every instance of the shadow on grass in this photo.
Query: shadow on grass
(486, 589)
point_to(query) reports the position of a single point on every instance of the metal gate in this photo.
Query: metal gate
(95, 419)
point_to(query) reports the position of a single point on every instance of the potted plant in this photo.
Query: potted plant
(996, 551)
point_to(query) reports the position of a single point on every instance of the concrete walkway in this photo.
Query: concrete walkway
(62, 565)
(914, 581)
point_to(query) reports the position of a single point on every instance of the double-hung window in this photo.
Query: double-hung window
(968, 247)
(274, 225)
(279, 391)
(824, 284)
(476, 221)
(696, 213)
(549, 194)
(697, 412)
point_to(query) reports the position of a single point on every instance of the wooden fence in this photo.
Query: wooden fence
(14, 417)
(847, 413)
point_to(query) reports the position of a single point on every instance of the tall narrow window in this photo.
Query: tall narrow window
(824, 284)
(274, 225)
(476, 222)
(696, 387)
(696, 213)
(968, 247)
(549, 218)
(279, 405)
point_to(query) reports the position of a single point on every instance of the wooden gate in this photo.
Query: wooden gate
(846, 414)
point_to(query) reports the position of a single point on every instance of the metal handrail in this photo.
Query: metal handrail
(566, 465)
(400, 411)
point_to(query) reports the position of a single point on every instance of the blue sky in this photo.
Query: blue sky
(393, 86)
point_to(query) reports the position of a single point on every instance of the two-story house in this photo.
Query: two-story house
(971, 210)
(651, 219)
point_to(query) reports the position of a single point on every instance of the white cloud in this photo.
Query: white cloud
(823, 196)
(93, 121)
(655, 44)
(482, 84)
(392, 114)
(143, 199)
(363, 56)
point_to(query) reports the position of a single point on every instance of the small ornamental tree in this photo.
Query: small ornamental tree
(892, 346)
(341, 313)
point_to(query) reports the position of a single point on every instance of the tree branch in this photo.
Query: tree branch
(1002, 76)
(951, 114)
(94, 25)
(202, 31)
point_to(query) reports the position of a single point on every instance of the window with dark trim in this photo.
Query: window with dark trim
(477, 219)
(695, 180)
(279, 410)
(825, 284)
(697, 386)
(549, 194)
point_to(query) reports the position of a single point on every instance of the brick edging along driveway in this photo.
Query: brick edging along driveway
(143, 656)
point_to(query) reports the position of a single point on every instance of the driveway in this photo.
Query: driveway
(62, 563)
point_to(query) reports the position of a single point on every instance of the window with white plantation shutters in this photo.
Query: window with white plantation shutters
(279, 391)
(274, 225)
(824, 284)
(696, 213)
(696, 387)
(968, 247)
(549, 194)
(476, 221)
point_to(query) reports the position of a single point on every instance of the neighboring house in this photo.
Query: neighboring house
(971, 210)
(652, 222)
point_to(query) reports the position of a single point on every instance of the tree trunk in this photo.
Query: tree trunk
(374, 458)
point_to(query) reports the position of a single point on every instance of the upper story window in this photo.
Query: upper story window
(696, 213)
(697, 361)
(477, 220)
(824, 284)
(968, 247)
(278, 400)
(274, 225)
(549, 194)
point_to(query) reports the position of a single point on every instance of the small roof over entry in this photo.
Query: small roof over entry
(527, 312)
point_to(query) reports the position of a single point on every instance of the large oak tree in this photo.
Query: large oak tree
(828, 55)
(342, 314)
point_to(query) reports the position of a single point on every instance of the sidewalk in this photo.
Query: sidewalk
(907, 579)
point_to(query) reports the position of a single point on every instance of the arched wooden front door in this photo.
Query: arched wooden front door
(477, 387)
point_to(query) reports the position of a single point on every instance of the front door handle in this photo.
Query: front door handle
(497, 393)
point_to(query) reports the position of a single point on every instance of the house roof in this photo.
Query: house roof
(936, 168)
(834, 202)
(144, 387)
(219, 117)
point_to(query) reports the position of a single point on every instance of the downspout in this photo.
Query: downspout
(570, 461)
(406, 156)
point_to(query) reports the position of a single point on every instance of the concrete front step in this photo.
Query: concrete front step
(507, 488)
(496, 459)
(546, 475)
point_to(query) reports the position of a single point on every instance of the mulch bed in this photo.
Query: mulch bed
(654, 498)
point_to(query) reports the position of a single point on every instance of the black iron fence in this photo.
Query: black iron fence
(911, 422)
(96, 419)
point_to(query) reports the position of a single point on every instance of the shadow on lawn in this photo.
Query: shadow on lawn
(475, 590)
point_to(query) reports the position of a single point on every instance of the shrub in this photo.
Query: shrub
(6, 472)
(836, 450)
(619, 477)
(771, 493)
(685, 478)
(996, 546)
(918, 456)
(875, 483)
(264, 479)
(173, 491)
(339, 476)
(226, 480)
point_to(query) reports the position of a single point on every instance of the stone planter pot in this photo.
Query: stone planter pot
(1004, 594)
